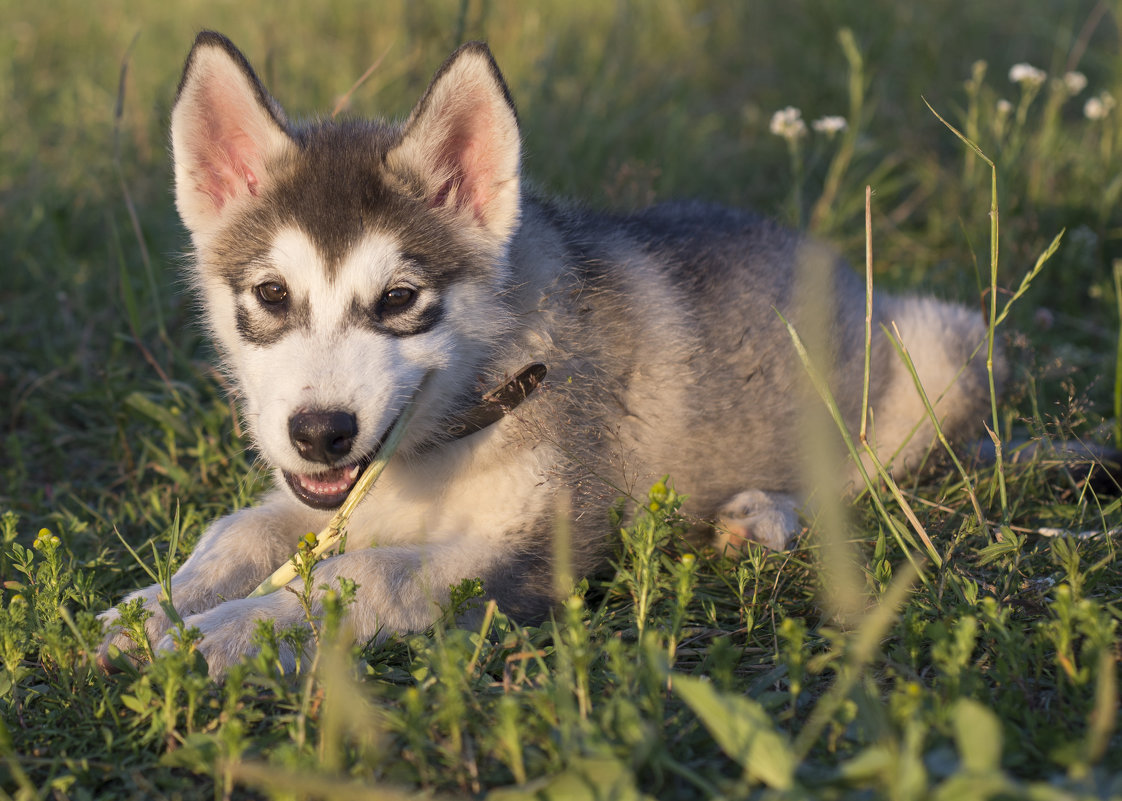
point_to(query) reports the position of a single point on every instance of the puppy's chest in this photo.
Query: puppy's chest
(490, 492)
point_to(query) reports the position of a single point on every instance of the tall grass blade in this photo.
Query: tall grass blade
(906, 358)
(839, 165)
(868, 314)
(999, 460)
(1118, 356)
(860, 650)
(1026, 282)
(824, 392)
(1104, 716)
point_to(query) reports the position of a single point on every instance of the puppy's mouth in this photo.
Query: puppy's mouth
(329, 488)
(326, 490)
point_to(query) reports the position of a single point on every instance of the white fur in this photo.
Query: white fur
(423, 542)
(767, 518)
(902, 431)
(632, 354)
(405, 549)
(330, 364)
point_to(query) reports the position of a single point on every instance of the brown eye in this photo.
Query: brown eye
(272, 292)
(398, 298)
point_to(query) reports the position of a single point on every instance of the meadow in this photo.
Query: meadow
(955, 637)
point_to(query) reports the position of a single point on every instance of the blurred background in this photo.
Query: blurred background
(622, 103)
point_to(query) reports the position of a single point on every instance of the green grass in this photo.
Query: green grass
(989, 671)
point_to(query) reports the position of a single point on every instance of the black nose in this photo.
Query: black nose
(323, 436)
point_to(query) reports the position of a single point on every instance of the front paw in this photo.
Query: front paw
(120, 639)
(230, 632)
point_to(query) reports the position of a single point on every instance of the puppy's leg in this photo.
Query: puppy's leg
(400, 589)
(769, 518)
(235, 554)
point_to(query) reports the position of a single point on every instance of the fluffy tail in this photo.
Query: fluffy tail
(946, 343)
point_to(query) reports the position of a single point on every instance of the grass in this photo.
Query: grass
(989, 671)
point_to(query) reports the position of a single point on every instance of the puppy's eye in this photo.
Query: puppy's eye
(272, 292)
(398, 298)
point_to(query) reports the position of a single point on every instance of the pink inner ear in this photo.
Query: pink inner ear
(227, 157)
(223, 175)
(470, 166)
(477, 164)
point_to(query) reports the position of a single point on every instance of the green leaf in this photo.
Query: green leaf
(977, 733)
(158, 413)
(743, 730)
(996, 550)
(868, 765)
(135, 704)
(964, 787)
(199, 753)
(587, 779)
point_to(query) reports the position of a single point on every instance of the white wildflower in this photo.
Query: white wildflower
(788, 123)
(1004, 108)
(1026, 75)
(1098, 107)
(1094, 109)
(830, 125)
(1075, 82)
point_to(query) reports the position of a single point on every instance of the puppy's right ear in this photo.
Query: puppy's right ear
(227, 133)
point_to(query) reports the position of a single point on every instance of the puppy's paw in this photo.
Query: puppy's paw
(117, 639)
(769, 518)
(228, 631)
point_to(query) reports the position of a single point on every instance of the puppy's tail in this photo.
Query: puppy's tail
(946, 345)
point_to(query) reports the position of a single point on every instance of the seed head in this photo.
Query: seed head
(1075, 82)
(830, 125)
(788, 123)
(1026, 75)
(1098, 108)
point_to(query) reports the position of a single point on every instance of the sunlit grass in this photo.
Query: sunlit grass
(990, 667)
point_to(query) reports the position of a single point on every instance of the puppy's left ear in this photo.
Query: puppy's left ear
(461, 147)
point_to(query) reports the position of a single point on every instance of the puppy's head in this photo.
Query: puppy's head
(339, 263)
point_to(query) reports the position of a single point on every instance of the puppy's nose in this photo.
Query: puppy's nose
(324, 437)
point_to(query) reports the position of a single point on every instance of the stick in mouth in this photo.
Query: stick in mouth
(333, 532)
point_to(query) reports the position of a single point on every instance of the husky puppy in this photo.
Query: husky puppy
(339, 264)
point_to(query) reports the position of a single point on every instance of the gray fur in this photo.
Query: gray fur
(661, 331)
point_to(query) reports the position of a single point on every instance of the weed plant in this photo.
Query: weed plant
(954, 637)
